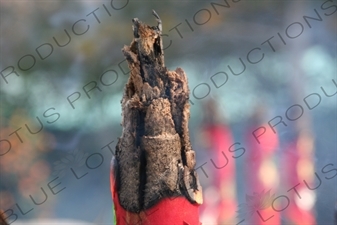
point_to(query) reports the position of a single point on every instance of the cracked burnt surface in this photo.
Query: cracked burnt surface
(154, 158)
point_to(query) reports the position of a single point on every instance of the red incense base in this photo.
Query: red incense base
(170, 211)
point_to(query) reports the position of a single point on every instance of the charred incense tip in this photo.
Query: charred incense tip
(155, 14)
(2, 218)
(159, 26)
(154, 158)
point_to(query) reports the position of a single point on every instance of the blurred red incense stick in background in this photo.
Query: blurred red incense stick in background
(216, 138)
